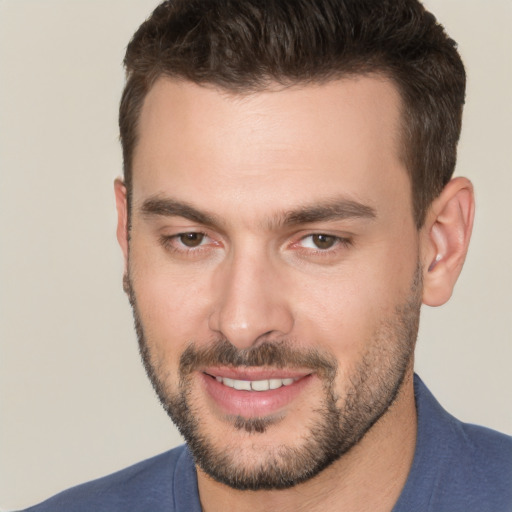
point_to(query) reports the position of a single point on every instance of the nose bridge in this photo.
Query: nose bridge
(250, 303)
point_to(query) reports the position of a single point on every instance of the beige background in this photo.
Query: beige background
(74, 400)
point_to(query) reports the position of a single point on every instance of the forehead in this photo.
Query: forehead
(285, 145)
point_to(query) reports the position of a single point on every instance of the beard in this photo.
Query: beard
(337, 423)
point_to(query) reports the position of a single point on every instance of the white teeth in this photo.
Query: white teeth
(244, 385)
(255, 385)
(275, 383)
(260, 385)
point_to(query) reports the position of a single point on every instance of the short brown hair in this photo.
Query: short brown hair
(243, 46)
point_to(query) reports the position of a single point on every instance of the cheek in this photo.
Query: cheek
(173, 306)
(344, 312)
(339, 315)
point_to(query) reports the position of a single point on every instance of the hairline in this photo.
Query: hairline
(266, 83)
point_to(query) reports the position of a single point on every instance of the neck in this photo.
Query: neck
(369, 477)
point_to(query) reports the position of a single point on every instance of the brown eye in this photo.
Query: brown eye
(323, 241)
(191, 239)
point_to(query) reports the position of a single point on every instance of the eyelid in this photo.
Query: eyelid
(171, 242)
(342, 243)
(345, 240)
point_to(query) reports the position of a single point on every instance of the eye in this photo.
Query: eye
(320, 241)
(191, 239)
(187, 243)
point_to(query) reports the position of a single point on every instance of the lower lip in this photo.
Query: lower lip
(252, 404)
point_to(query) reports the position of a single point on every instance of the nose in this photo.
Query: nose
(251, 301)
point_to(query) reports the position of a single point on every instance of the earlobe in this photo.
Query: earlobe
(447, 232)
(122, 218)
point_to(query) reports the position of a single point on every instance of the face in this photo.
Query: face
(273, 271)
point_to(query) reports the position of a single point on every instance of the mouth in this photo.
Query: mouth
(255, 385)
(253, 392)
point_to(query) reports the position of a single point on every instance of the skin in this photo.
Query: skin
(246, 161)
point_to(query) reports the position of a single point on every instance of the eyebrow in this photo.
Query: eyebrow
(167, 207)
(340, 209)
(330, 210)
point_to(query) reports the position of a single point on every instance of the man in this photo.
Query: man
(287, 206)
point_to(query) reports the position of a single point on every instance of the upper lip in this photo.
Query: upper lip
(255, 373)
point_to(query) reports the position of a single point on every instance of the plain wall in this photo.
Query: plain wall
(74, 401)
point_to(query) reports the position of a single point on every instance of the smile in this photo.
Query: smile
(253, 392)
(255, 385)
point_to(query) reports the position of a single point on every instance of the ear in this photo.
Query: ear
(445, 240)
(122, 218)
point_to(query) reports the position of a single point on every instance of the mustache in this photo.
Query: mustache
(273, 354)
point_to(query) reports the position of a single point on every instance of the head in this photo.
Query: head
(287, 207)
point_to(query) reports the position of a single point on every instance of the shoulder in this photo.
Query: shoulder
(457, 466)
(461, 444)
(479, 465)
(147, 485)
(486, 446)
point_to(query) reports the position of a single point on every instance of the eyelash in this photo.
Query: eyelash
(340, 243)
(168, 242)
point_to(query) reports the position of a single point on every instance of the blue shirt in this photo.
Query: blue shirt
(457, 467)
